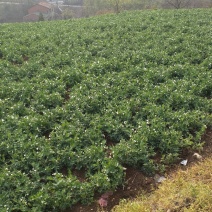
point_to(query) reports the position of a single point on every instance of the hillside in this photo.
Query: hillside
(82, 100)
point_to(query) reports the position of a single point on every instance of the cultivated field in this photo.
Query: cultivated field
(82, 99)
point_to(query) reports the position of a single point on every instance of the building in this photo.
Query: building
(43, 10)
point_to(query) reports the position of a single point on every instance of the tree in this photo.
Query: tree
(93, 6)
(118, 4)
(67, 14)
(178, 3)
(41, 18)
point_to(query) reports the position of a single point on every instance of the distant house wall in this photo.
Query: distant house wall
(31, 17)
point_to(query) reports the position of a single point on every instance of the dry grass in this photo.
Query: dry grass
(188, 191)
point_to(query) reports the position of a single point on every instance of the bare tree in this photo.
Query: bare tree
(178, 3)
(93, 6)
(67, 14)
(118, 4)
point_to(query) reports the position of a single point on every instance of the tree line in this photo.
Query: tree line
(103, 6)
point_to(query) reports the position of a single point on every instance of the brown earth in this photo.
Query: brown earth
(136, 182)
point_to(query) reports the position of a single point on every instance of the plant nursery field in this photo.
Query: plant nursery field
(80, 100)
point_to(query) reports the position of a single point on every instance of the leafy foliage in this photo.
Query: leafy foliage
(92, 95)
